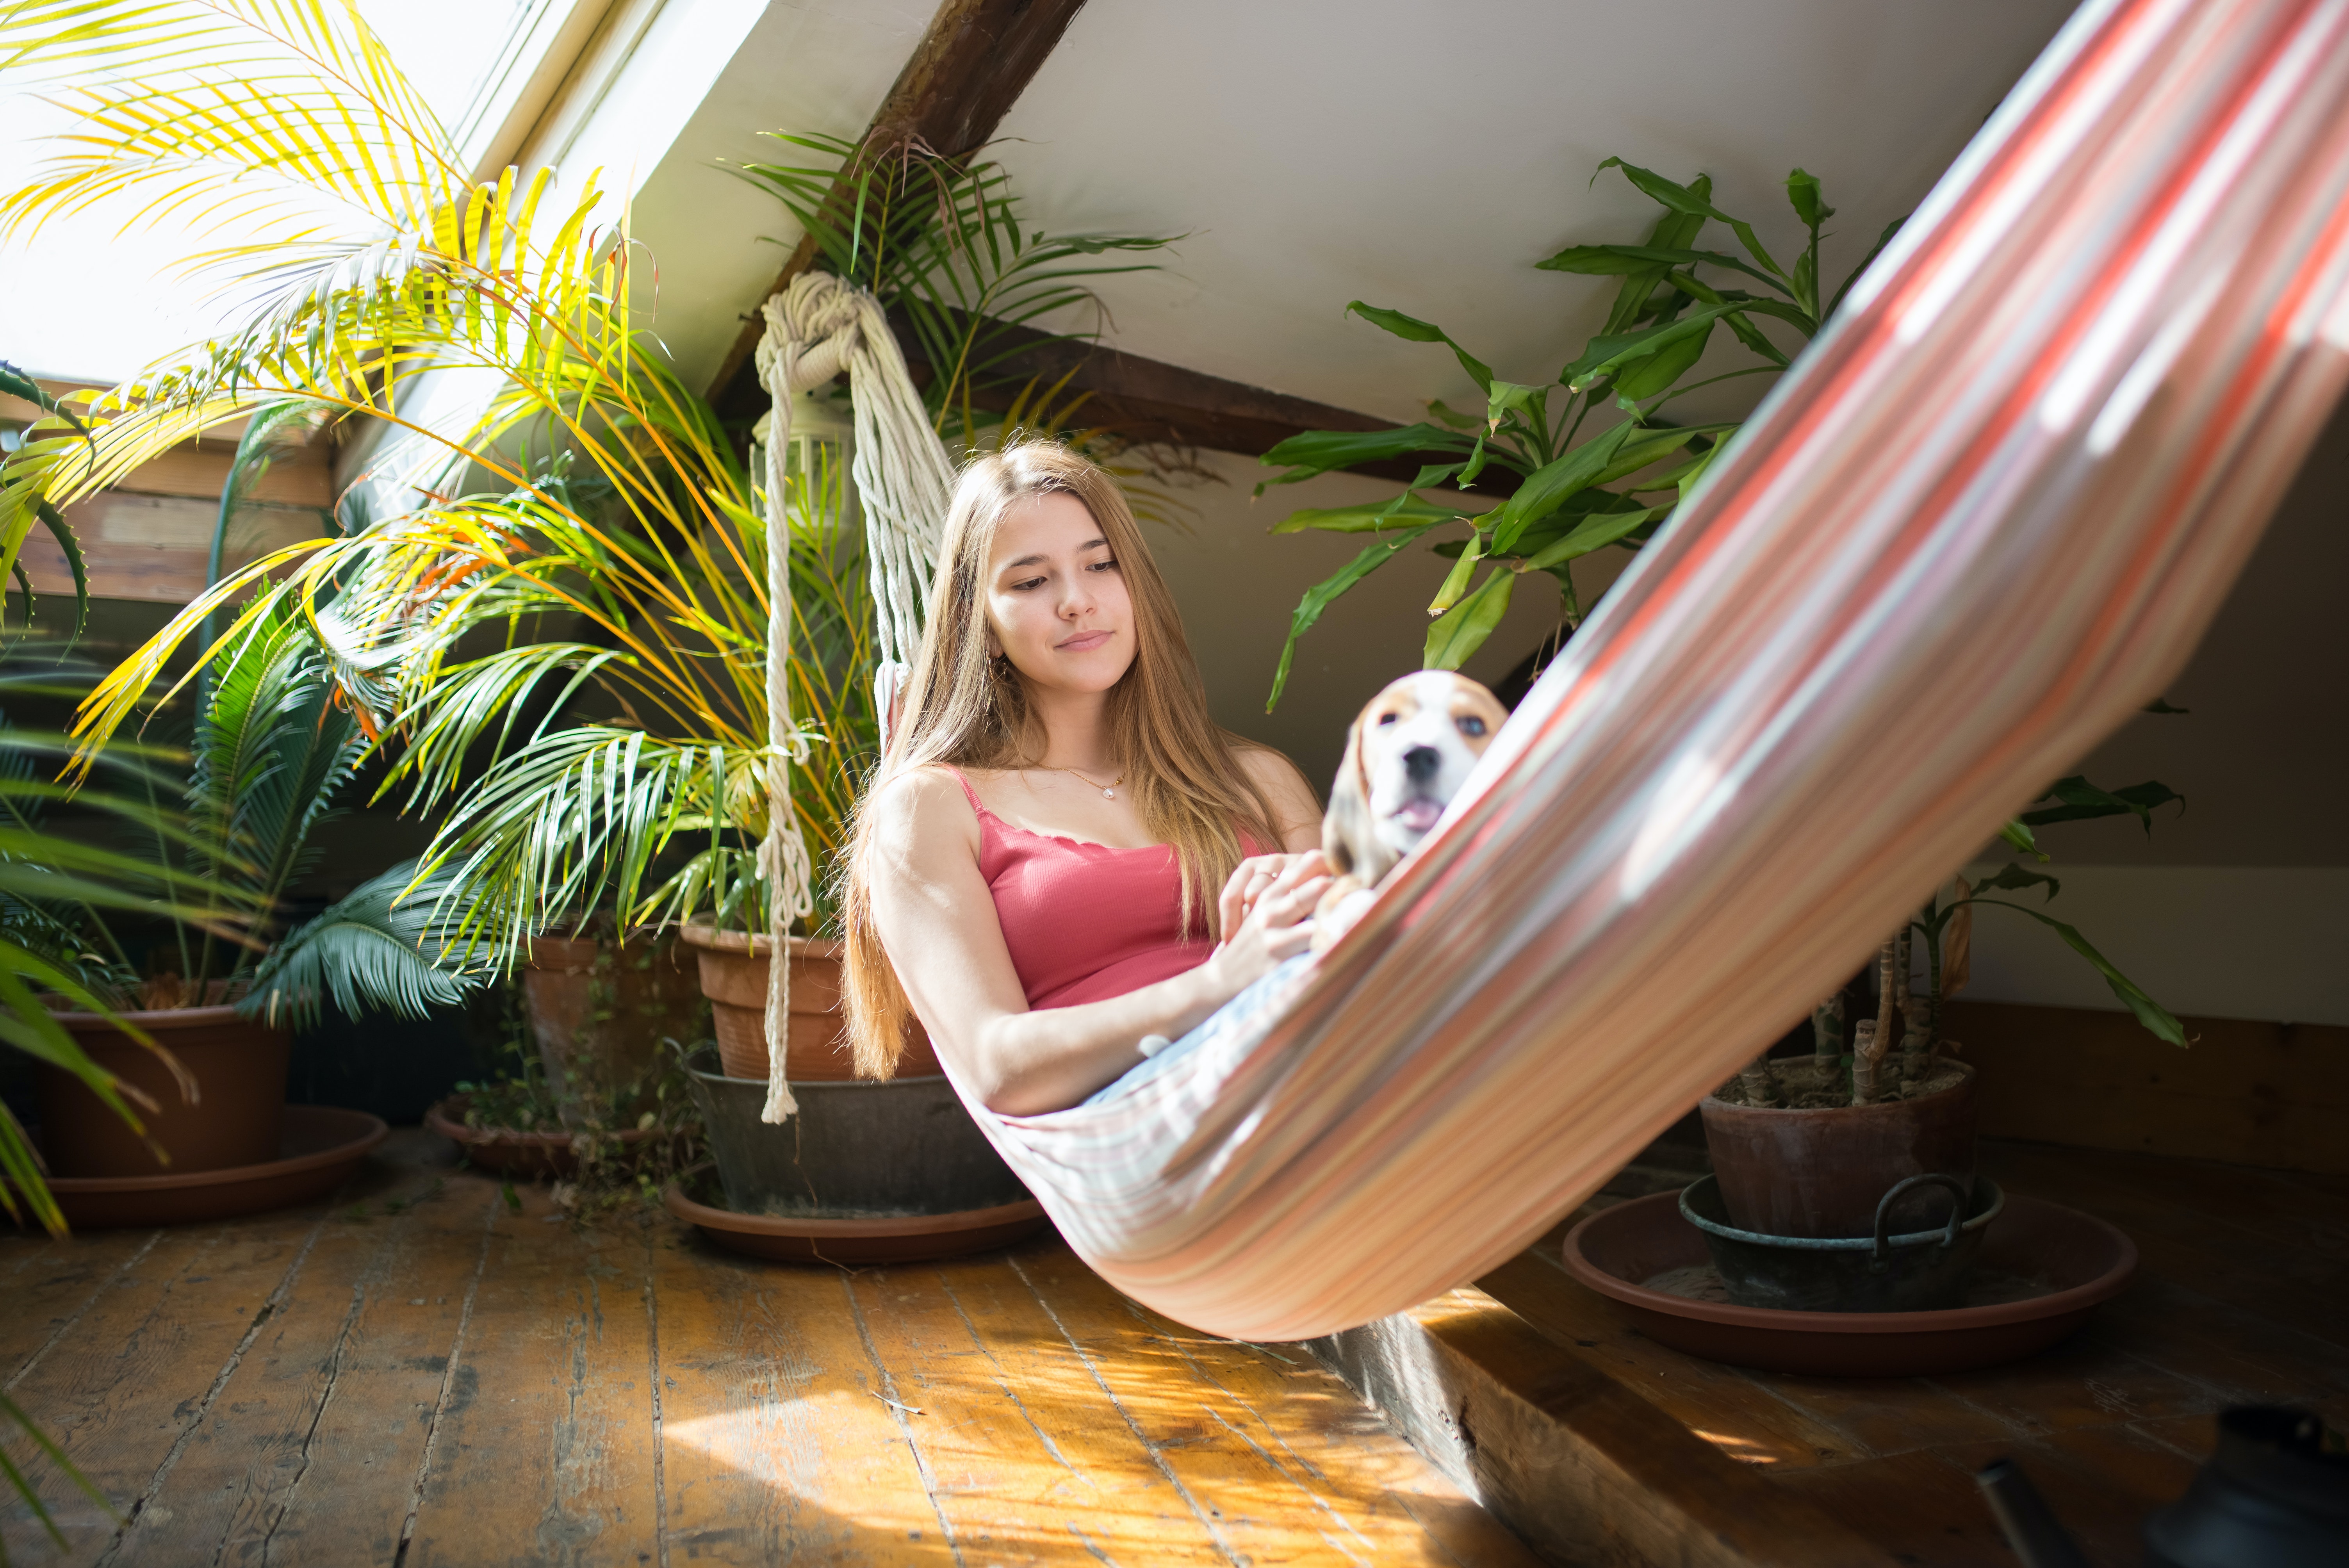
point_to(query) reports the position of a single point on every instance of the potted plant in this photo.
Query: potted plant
(223, 988)
(555, 618)
(1808, 1145)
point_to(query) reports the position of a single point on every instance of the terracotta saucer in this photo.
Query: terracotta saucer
(899, 1239)
(503, 1151)
(2055, 1262)
(323, 1145)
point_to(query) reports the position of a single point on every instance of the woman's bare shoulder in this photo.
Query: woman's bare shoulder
(1283, 784)
(922, 803)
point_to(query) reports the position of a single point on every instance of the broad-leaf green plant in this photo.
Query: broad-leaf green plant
(1573, 495)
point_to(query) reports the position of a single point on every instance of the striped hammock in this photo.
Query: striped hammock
(1983, 521)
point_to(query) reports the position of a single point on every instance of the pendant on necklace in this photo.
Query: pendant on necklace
(1109, 794)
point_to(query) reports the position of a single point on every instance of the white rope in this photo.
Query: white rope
(816, 327)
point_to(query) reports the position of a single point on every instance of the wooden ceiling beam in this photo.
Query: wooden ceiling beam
(972, 63)
(975, 59)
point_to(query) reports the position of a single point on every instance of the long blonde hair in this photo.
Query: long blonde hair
(962, 709)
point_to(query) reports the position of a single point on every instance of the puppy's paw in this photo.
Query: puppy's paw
(1339, 908)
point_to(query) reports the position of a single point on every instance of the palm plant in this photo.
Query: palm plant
(271, 753)
(1572, 499)
(587, 516)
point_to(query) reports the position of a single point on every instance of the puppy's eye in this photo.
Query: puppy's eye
(1387, 718)
(1470, 725)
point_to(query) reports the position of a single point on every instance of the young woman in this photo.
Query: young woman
(1064, 855)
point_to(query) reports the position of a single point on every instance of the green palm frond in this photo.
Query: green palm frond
(272, 750)
(386, 946)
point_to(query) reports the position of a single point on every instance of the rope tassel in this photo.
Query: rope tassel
(817, 328)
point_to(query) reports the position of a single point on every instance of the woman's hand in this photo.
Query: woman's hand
(1249, 881)
(1278, 895)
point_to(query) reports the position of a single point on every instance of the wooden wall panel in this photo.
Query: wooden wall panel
(2252, 1092)
(154, 547)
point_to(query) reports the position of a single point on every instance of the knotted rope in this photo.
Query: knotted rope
(818, 326)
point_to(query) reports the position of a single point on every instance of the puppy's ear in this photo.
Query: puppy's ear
(1348, 841)
(1346, 825)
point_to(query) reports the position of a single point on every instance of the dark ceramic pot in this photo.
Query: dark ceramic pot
(856, 1149)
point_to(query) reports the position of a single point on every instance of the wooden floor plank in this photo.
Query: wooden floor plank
(50, 1282)
(1379, 1494)
(126, 1383)
(1123, 1502)
(1720, 1404)
(2087, 1381)
(2287, 1283)
(350, 1472)
(1921, 1509)
(1887, 1416)
(226, 1488)
(774, 1445)
(1015, 1479)
(550, 1458)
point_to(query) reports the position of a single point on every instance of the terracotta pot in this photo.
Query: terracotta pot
(734, 977)
(1822, 1172)
(599, 1011)
(237, 1117)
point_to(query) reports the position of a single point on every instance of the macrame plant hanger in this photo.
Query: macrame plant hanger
(818, 326)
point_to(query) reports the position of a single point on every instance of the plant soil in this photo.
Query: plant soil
(1802, 1086)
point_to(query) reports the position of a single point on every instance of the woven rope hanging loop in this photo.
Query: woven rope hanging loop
(817, 328)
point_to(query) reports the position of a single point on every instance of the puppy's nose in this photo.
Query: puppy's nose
(1421, 763)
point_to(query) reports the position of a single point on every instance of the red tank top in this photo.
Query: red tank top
(1085, 922)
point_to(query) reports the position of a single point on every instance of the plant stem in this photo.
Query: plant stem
(1865, 1053)
(1827, 1032)
(1755, 1077)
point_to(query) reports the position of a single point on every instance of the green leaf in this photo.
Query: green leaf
(2082, 802)
(1506, 396)
(1635, 300)
(1685, 199)
(1314, 452)
(2156, 1018)
(1611, 260)
(1596, 462)
(1322, 595)
(1644, 378)
(1858, 271)
(1417, 331)
(1802, 194)
(1604, 355)
(2018, 834)
(1451, 640)
(1455, 582)
(2012, 878)
(1366, 519)
(1597, 532)
(62, 531)
(375, 948)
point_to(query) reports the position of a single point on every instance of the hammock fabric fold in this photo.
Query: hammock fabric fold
(1981, 524)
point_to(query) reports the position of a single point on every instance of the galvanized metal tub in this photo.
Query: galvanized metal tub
(856, 1149)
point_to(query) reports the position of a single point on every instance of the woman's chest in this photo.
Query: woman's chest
(1044, 803)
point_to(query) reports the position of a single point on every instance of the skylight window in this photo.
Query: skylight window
(84, 303)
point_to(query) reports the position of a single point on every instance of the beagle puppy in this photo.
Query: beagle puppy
(1407, 755)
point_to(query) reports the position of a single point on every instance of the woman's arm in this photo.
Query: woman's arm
(937, 918)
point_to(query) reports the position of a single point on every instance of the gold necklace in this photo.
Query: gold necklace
(1109, 791)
